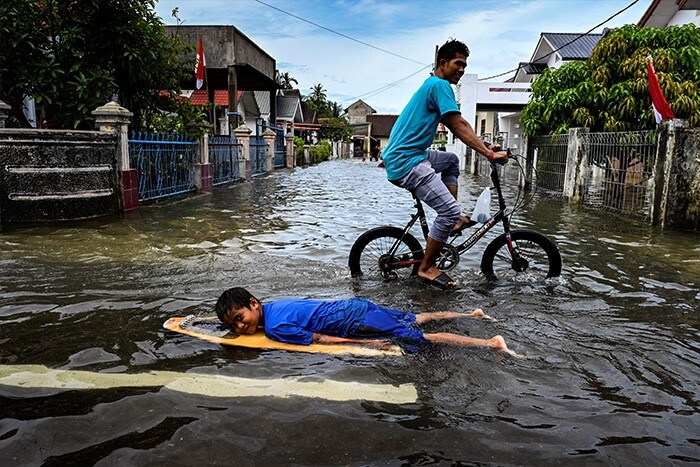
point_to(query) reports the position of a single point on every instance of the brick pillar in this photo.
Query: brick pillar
(245, 165)
(114, 118)
(269, 138)
(289, 152)
(202, 168)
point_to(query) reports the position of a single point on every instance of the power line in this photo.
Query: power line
(337, 33)
(385, 87)
(567, 44)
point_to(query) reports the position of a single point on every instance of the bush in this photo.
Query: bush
(320, 152)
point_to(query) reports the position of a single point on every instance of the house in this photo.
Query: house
(357, 117)
(662, 13)
(380, 127)
(553, 50)
(233, 63)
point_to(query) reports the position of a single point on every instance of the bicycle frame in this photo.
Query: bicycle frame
(500, 216)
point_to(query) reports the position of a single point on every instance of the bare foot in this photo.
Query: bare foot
(499, 343)
(478, 313)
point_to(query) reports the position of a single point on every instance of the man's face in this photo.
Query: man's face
(244, 320)
(454, 69)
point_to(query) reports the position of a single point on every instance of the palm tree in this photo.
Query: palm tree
(318, 95)
(285, 80)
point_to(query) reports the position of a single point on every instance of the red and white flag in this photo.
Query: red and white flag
(662, 111)
(201, 63)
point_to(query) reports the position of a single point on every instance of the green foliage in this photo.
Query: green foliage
(335, 129)
(75, 55)
(609, 91)
(320, 152)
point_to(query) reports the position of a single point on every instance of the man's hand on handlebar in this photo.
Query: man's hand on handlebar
(500, 157)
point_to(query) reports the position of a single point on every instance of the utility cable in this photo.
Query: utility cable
(565, 45)
(337, 33)
(385, 87)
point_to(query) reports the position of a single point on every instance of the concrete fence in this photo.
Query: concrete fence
(63, 174)
(649, 174)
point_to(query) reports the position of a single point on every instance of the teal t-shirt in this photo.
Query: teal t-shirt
(414, 130)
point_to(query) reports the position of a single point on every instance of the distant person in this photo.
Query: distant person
(374, 153)
(354, 321)
(411, 166)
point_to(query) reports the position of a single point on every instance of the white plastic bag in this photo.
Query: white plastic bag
(482, 210)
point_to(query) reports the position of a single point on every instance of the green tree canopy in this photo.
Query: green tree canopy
(75, 55)
(610, 92)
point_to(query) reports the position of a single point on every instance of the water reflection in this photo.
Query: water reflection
(613, 373)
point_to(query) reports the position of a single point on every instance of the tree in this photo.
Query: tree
(335, 129)
(285, 80)
(609, 91)
(75, 55)
(317, 96)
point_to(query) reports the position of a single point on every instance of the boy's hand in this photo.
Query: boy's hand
(379, 344)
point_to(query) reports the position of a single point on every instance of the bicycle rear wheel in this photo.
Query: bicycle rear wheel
(539, 258)
(369, 255)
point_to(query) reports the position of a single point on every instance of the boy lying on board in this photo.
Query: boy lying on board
(353, 321)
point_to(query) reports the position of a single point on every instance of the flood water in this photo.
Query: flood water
(612, 375)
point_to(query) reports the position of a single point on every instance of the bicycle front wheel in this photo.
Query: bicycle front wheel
(369, 255)
(538, 258)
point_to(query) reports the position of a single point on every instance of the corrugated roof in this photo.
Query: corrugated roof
(572, 46)
(287, 107)
(381, 124)
(532, 68)
(263, 100)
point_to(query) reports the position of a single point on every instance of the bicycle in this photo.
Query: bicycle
(516, 254)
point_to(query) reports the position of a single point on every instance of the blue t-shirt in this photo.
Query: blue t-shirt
(295, 320)
(414, 130)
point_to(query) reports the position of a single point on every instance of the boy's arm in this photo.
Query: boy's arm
(464, 131)
(327, 339)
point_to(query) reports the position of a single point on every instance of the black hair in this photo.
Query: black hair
(450, 49)
(236, 298)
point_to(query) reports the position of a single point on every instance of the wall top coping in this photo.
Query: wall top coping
(112, 109)
(269, 133)
(242, 130)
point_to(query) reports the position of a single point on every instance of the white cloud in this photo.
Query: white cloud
(499, 35)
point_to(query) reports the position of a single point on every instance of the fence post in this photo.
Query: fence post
(289, 150)
(245, 165)
(114, 118)
(4, 113)
(525, 175)
(306, 154)
(269, 138)
(202, 168)
(676, 178)
(576, 164)
(473, 161)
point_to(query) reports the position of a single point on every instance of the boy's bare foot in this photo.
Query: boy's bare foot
(478, 313)
(499, 343)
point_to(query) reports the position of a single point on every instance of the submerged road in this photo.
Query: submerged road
(613, 374)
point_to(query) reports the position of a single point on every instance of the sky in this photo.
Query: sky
(499, 34)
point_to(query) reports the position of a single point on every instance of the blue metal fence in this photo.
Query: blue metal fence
(258, 154)
(165, 163)
(224, 154)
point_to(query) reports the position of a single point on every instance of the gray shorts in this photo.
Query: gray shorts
(423, 181)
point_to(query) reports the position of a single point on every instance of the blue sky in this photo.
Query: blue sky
(499, 35)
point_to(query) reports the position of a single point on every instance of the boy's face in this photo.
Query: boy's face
(244, 320)
(454, 69)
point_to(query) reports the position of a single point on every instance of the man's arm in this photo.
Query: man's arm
(464, 131)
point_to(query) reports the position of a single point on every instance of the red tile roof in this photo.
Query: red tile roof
(201, 97)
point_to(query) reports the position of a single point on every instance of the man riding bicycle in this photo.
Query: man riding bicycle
(411, 166)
